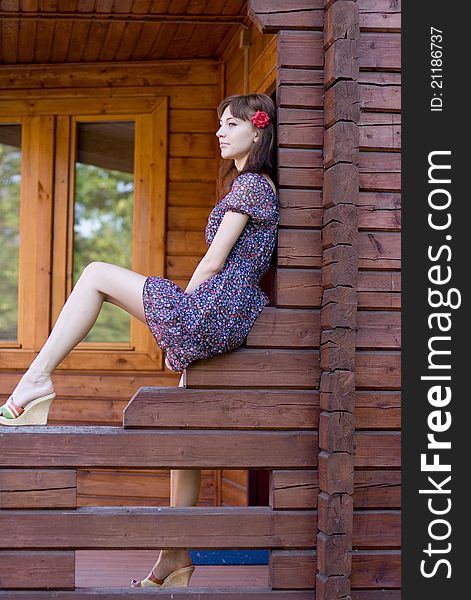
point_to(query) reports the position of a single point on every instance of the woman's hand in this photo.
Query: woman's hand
(167, 364)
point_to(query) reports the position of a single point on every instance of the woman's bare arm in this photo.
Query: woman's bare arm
(213, 261)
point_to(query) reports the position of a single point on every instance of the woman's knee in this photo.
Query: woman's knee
(95, 269)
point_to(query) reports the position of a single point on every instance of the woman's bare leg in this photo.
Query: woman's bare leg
(98, 283)
(184, 491)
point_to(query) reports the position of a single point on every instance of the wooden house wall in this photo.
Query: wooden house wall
(192, 167)
(377, 480)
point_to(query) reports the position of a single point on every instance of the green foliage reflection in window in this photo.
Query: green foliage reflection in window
(10, 179)
(104, 199)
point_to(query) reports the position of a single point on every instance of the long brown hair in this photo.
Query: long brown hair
(261, 157)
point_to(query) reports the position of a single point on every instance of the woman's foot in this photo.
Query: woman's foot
(168, 561)
(31, 386)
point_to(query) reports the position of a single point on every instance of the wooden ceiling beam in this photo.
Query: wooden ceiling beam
(123, 17)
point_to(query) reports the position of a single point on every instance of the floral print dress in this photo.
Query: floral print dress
(218, 315)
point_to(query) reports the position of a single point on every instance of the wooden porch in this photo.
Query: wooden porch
(297, 433)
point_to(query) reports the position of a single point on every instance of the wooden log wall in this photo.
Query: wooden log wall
(281, 357)
(339, 301)
(338, 253)
(376, 567)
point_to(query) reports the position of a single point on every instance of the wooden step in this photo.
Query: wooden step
(150, 527)
(201, 593)
(68, 446)
(257, 368)
(174, 407)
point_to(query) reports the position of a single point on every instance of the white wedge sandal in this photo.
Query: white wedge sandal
(34, 413)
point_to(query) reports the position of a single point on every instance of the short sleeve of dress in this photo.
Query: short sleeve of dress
(250, 195)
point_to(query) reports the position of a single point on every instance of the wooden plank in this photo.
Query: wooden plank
(300, 127)
(293, 489)
(105, 568)
(379, 300)
(379, 250)
(376, 569)
(376, 594)
(30, 488)
(201, 96)
(189, 168)
(377, 210)
(380, 51)
(300, 49)
(377, 529)
(177, 407)
(300, 177)
(301, 76)
(161, 527)
(378, 370)
(300, 158)
(380, 98)
(379, 289)
(137, 487)
(378, 330)
(300, 96)
(380, 131)
(379, 78)
(195, 145)
(299, 248)
(387, 281)
(378, 409)
(381, 182)
(381, 15)
(285, 328)
(37, 569)
(197, 121)
(186, 243)
(117, 447)
(298, 287)
(302, 14)
(111, 74)
(267, 368)
(377, 449)
(376, 489)
(186, 193)
(370, 161)
(199, 593)
(125, 487)
(301, 208)
(292, 569)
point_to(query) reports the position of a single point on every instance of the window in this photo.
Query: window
(10, 180)
(104, 201)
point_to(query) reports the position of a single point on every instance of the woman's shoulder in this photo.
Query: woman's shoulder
(253, 179)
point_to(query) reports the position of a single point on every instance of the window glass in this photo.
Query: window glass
(10, 179)
(104, 200)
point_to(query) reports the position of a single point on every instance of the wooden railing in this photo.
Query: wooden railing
(220, 425)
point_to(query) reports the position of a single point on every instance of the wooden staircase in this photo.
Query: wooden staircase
(176, 427)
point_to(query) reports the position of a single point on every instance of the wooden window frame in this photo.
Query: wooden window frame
(47, 219)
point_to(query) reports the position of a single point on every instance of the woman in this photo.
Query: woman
(215, 312)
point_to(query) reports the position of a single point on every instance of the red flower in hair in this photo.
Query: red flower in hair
(260, 119)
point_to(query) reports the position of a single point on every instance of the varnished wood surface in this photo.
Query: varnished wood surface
(116, 32)
(116, 569)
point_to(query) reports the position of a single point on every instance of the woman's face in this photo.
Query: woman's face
(236, 137)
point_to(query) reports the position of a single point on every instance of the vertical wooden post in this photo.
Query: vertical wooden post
(339, 300)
